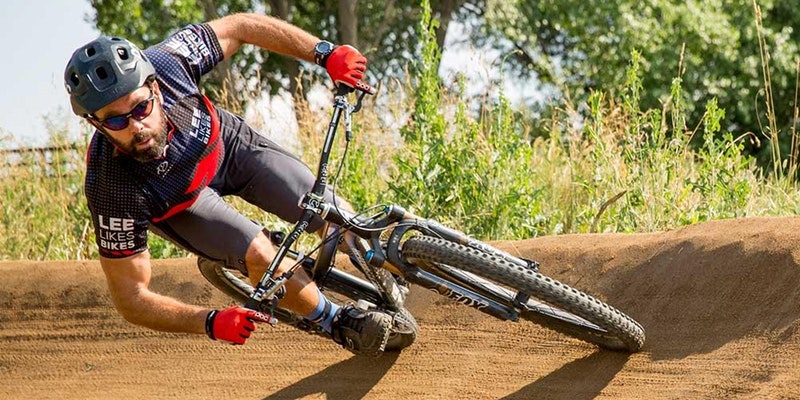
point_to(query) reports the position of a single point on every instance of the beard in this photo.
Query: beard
(156, 150)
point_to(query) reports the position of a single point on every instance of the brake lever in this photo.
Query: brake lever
(358, 102)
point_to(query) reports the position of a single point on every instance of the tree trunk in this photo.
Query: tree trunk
(348, 22)
(220, 75)
(281, 9)
(445, 10)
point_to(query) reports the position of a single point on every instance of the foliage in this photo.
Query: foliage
(469, 173)
(576, 47)
(622, 169)
(44, 214)
(571, 47)
(610, 163)
(391, 41)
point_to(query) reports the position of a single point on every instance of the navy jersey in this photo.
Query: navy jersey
(125, 195)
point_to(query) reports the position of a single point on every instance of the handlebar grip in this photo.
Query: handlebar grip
(342, 88)
(362, 86)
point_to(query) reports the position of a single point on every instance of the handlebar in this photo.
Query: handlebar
(342, 89)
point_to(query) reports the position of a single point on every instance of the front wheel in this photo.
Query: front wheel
(339, 286)
(551, 303)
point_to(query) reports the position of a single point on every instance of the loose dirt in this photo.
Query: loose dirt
(719, 301)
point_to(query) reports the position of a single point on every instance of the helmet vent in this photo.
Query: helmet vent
(104, 70)
(101, 73)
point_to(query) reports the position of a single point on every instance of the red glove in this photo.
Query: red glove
(347, 66)
(233, 324)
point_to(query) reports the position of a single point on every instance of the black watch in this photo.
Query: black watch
(321, 52)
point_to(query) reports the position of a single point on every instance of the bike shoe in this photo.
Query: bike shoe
(361, 332)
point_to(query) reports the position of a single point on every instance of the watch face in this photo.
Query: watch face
(321, 52)
(324, 47)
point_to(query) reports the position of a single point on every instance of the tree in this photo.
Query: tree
(712, 46)
(383, 30)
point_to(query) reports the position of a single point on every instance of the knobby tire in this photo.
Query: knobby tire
(608, 328)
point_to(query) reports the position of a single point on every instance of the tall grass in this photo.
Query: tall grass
(44, 213)
(604, 166)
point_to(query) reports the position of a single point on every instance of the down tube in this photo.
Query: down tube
(460, 294)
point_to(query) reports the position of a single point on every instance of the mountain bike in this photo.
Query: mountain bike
(390, 249)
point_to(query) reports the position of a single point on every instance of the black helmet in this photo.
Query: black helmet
(104, 70)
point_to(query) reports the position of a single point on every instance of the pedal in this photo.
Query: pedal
(305, 325)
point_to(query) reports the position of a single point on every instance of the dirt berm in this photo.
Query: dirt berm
(719, 300)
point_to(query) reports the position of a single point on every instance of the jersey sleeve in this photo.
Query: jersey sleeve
(197, 47)
(118, 235)
(118, 210)
(183, 58)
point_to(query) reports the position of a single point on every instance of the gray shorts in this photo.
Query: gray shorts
(259, 171)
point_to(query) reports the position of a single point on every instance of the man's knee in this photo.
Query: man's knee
(259, 255)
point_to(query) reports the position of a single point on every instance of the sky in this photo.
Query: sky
(37, 38)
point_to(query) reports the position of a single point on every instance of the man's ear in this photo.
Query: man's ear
(157, 91)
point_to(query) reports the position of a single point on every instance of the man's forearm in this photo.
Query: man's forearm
(266, 32)
(162, 313)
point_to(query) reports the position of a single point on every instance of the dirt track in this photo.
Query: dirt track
(720, 302)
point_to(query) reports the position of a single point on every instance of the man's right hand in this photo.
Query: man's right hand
(347, 66)
(233, 324)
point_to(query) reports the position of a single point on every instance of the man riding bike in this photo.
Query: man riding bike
(162, 157)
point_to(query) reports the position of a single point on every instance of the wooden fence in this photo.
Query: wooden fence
(61, 158)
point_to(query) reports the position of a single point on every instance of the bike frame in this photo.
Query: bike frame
(378, 260)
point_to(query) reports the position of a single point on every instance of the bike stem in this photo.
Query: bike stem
(311, 203)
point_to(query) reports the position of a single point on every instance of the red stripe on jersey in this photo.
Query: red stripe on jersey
(176, 209)
(116, 253)
(206, 167)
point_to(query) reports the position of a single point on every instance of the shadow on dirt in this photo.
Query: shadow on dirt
(694, 289)
(693, 299)
(350, 379)
(583, 378)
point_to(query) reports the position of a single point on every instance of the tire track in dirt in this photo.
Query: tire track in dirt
(719, 301)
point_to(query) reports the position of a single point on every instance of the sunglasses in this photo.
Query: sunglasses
(140, 112)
